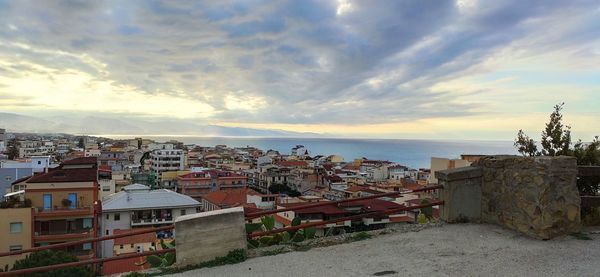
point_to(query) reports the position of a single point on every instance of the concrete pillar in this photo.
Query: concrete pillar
(461, 194)
(202, 237)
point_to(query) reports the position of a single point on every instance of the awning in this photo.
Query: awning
(14, 193)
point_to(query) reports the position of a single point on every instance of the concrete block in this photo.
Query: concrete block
(205, 236)
(461, 194)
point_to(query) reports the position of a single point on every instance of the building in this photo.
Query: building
(3, 143)
(15, 224)
(64, 203)
(137, 206)
(134, 244)
(247, 198)
(438, 164)
(9, 175)
(166, 158)
(197, 184)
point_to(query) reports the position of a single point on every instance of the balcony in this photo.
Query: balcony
(151, 217)
(40, 212)
(142, 222)
(61, 237)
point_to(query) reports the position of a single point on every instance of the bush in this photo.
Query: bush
(49, 257)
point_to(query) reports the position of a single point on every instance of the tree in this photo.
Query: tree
(81, 143)
(556, 141)
(49, 257)
(556, 138)
(526, 145)
(13, 150)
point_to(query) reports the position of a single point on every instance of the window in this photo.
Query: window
(121, 246)
(131, 245)
(87, 246)
(117, 217)
(107, 216)
(16, 227)
(8, 178)
(87, 223)
(182, 212)
(39, 162)
(107, 232)
(15, 248)
(47, 201)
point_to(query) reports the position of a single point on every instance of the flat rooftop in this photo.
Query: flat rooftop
(447, 250)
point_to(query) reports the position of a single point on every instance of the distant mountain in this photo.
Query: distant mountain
(96, 125)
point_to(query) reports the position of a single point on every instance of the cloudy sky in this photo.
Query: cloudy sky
(462, 69)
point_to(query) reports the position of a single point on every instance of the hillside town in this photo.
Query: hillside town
(60, 188)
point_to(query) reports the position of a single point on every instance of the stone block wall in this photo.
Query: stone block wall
(537, 196)
(205, 236)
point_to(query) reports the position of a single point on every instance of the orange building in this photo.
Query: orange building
(65, 205)
(197, 184)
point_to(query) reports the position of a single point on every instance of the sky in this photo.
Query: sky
(463, 69)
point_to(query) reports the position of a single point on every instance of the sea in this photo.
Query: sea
(409, 152)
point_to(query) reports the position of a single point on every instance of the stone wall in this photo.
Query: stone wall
(536, 196)
(205, 236)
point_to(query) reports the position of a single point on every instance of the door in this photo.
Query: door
(47, 201)
(73, 198)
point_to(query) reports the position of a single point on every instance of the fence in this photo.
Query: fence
(251, 216)
(593, 174)
(248, 216)
(85, 262)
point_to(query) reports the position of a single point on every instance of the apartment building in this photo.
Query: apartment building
(166, 158)
(64, 203)
(137, 206)
(15, 224)
(197, 184)
(3, 143)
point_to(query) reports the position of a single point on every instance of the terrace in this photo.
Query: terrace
(513, 239)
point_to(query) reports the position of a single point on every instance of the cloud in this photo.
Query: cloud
(334, 63)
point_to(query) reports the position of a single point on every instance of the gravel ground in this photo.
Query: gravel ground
(446, 250)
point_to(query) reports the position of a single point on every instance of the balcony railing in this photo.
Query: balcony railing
(60, 211)
(139, 222)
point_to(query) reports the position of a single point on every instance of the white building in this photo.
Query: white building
(166, 158)
(2, 140)
(138, 206)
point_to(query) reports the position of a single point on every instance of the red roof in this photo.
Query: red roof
(141, 238)
(124, 265)
(372, 205)
(229, 198)
(292, 163)
(60, 175)
(81, 160)
(106, 168)
(326, 209)
(404, 218)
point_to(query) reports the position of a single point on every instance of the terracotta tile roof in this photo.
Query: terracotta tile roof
(372, 205)
(292, 163)
(124, 265)
(106, 168)
(60, 175)
(405, 218)
(282, 220)
(141, 238)
(351, 167)
(229, 198)
(81, 160)
(327, 209)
